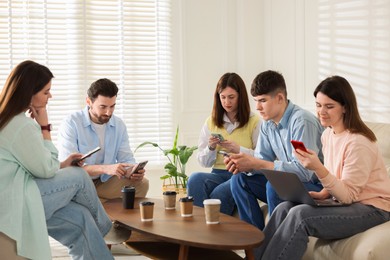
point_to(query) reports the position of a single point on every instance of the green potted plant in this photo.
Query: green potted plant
(178, 157)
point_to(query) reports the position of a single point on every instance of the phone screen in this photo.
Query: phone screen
(75, 162)
(298, 145)
(89, 153)
(139, 166)
(219, 136)
(224, 153)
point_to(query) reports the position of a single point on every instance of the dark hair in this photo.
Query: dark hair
(268, 82)
(339, 89)
(103, 87)
(24, 81)
(243, 109)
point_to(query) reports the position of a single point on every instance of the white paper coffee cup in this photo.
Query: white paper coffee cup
(211, 209)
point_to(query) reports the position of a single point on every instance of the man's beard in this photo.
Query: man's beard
(100, 119)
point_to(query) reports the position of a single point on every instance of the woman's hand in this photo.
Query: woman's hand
(70, 161)
(213, 141)
(321, 195)
(308, 159)
(230, 146)
(39, 114)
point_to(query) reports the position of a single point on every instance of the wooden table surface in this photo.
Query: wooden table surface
(169, 226)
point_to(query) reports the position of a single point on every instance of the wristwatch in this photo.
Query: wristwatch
(46, 127)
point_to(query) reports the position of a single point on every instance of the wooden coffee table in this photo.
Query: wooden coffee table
(168, 226)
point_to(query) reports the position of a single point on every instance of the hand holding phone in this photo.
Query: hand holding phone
(225, 154)
(136, 168)
(299, 145)
(75, 162)
(219, 136)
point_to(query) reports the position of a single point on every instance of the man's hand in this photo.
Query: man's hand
(118, 169)
(137, 176)
(240, 162)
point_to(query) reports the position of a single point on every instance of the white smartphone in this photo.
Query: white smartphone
(225, 154)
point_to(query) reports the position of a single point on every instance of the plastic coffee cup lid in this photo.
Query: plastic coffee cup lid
(187, 199)
(211, 202)
(128, 188)
(169, 193)
(146, 203)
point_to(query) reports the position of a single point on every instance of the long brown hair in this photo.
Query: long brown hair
(234, 81)
(25, 80)
(339, 89)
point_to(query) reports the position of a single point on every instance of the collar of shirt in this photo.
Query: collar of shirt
(285, 118)
(87, 120)
(229, 126)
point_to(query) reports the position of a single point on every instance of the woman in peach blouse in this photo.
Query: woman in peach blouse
(353, 173)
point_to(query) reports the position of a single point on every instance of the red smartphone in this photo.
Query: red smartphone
(298, 145)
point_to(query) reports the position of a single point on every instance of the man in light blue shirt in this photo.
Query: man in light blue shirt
(283, 122)
(94, 126)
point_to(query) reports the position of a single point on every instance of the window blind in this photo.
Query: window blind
(127, 41)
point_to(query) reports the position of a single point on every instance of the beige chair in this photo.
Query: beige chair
(8, 248)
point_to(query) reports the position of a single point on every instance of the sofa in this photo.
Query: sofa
(371, 244)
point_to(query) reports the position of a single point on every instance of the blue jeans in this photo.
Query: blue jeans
(247, 190)
(214, 185)
(74, 215)
(288, 230)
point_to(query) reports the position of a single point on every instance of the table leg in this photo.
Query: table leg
(183, 252)
(249, 254)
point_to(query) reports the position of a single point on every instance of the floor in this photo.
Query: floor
(120, 252)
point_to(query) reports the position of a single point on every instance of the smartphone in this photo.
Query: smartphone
(136, 168)
(75, 162)
(219, 136)
(223, 153)
(298, 145)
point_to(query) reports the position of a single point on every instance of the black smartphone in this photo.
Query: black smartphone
(138, 166)
(298, 145)
(75, 162)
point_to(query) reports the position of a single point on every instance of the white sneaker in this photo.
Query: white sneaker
(117, 234)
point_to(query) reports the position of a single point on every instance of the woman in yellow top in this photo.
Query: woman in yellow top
(40, 195)
(232, 118)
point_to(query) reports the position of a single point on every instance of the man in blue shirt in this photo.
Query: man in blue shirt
(283, 122)
(96, 125)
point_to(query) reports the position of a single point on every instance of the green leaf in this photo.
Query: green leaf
(178, 157)
(186, 153)
(147, 143)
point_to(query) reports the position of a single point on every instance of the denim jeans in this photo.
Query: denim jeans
(214, 185)
(247, 190)
(74, 215)
(288, 230)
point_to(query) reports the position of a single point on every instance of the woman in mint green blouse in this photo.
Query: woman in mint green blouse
(39, 195)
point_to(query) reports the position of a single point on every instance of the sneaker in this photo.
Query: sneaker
(117, 234)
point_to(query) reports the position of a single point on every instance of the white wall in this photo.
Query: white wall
(304, 40)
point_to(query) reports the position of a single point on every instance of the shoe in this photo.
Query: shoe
(117, 234)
